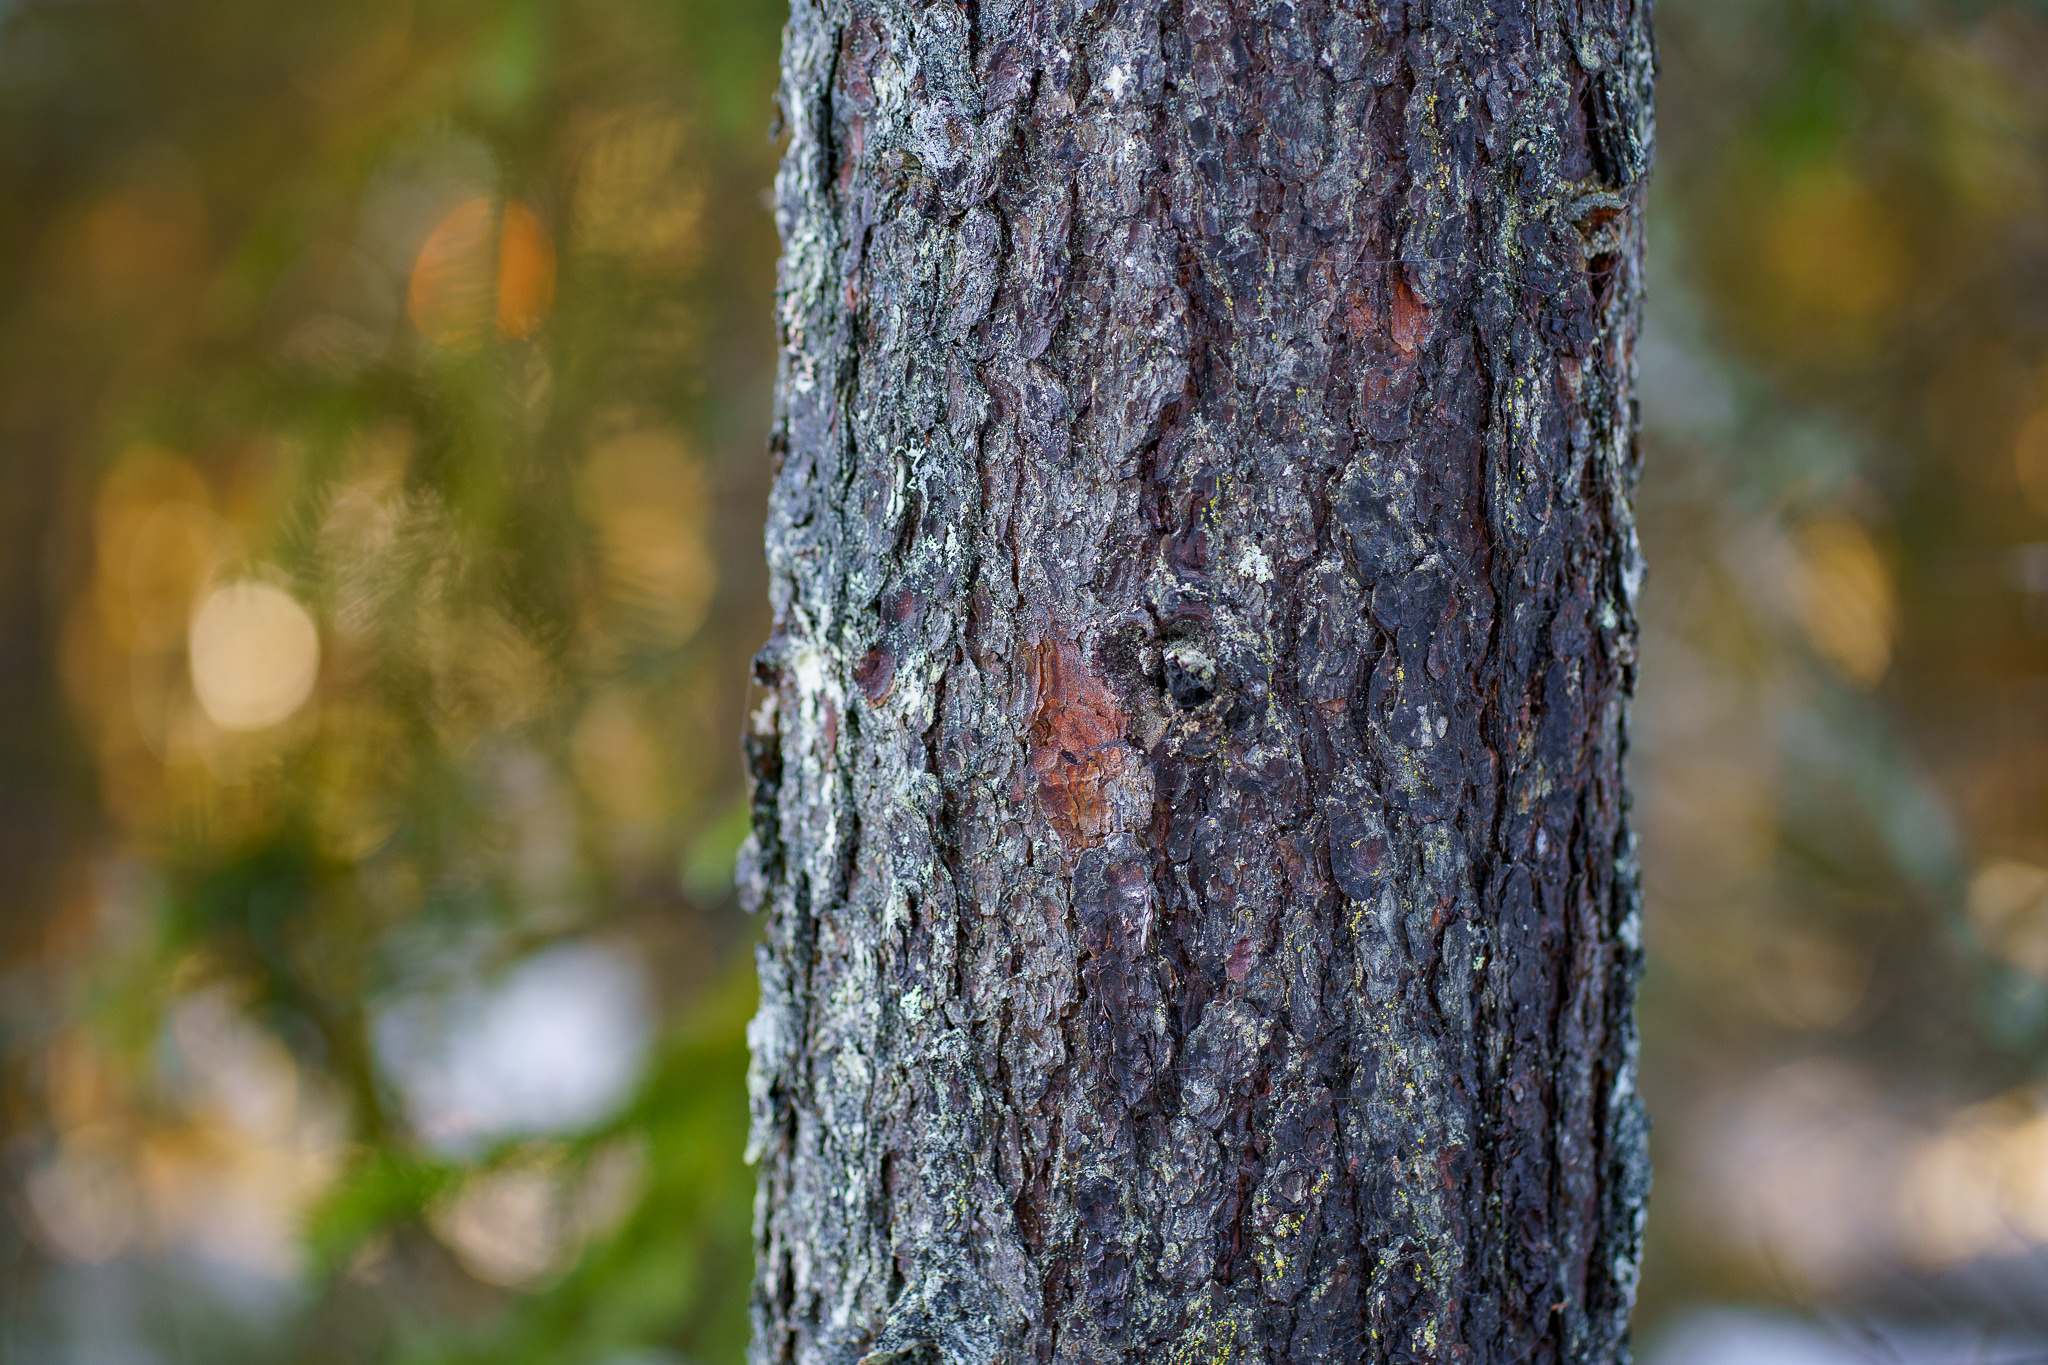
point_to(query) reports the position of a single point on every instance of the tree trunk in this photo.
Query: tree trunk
(1189, 810)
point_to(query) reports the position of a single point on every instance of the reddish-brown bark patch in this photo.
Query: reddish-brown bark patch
(1077, 741)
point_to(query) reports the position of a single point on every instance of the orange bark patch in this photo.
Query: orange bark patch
(1408, 320)
(1077, 740)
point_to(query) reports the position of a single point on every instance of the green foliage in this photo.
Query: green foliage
(385, 1188)
(677, 1271)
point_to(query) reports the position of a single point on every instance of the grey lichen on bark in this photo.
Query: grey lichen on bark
(1202, 913)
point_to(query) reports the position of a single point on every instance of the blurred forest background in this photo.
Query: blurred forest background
(383, 395)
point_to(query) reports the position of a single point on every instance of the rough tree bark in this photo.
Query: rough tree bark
(1188, 808)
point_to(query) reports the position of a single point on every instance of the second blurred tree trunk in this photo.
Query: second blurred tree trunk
(1189, 810)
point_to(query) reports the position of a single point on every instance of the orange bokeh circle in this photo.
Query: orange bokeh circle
(455, 295)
